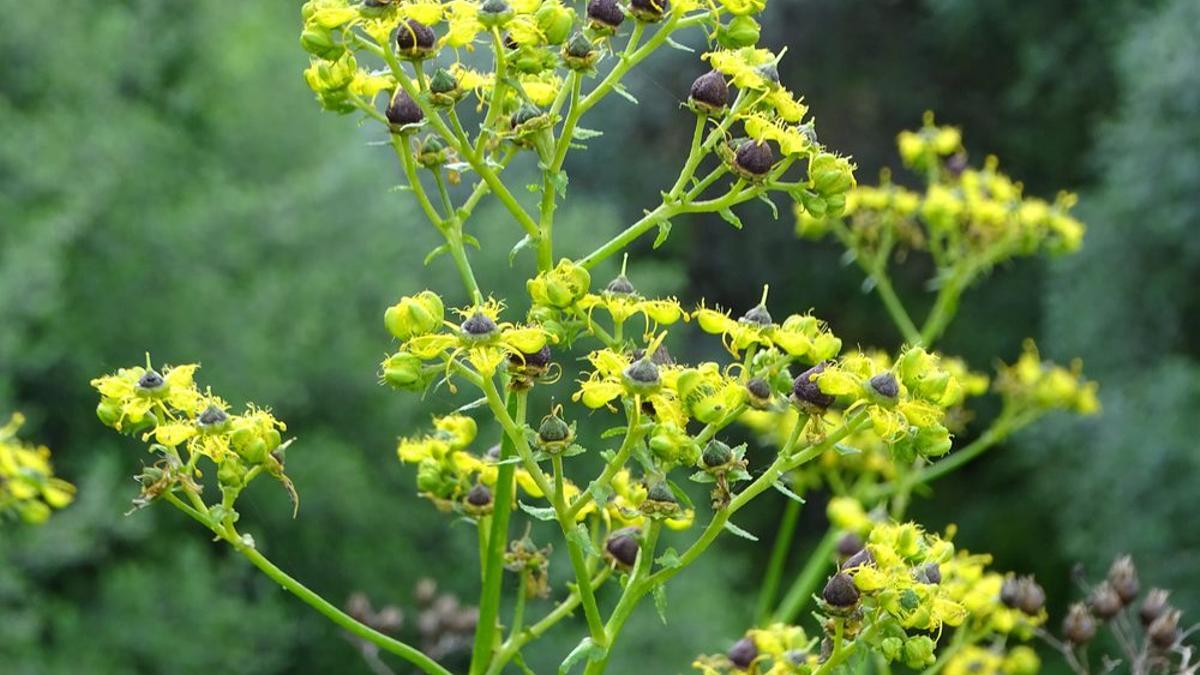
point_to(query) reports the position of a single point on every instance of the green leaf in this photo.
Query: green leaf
(664, 231)
(600, 492)
(702, 477)
(584, 134)
(731, 218)
(613, 431)
(583, 540)
(682, 48)
(444, 248)
(669, 559)
(560, 181)
(660, 602)
(844, 449)
(763, 197)
(525, 242)
(470, 239)
(739, 474)
(788, 493)
(573, 449)
(586, 649)
(541, 513)
(739, 531)
(624, 93)
(477, 403)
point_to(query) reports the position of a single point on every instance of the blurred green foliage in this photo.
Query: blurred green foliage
(166, 184)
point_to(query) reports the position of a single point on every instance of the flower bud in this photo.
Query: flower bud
(918, 652)
(318, 41)
(753, 159)
(479, 327)
(760, 393)
(560, 287)
(414, 40)
(231, 474)
(830, 174)
(444, 88)
(650, 11)
(710, 93)
(840, 591)
(402, 370)
(403, 111)
(493, 13)
(741, 31)
(1122, 575)
(1079, 627)
(109, 411)
(717, 454)
(555, 21)
(1104, 601)
(848, 545)
(1164, 631)
(151, 384)
(604, 15)
(415, 315)
(885, 385)
(432, 152)
(806, 392)
(579, 53)
(1154, 605)
(622, 546)
(742, 653)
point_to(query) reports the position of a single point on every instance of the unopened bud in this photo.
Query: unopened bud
(1079, 627)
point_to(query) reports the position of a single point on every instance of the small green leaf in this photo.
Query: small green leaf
(682, 48)
(660, 602)
(702, 477)
(538, 512)
(844, 449)
(600, 493)
(573, 449)
(739, 474)
(762, 197)
(585, 650)
(669, 559)
(470, 239)
(613, 431)
(584, 134)
(788, 493)
(525, 242)
(664, 231)
(583, 540)
(444, 248)
(731, 218)
(624, 93)
(560, 181)
(739, 531)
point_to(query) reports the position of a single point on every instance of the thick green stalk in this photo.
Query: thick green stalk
(493, 571)
(631, 595)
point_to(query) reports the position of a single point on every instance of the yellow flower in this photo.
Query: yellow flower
(1030, 382)
(743, 66)
(28, 486)
(130, 396)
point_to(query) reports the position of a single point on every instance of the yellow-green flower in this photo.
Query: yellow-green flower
(28, 487)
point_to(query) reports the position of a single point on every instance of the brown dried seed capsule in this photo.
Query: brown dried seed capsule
(849, 544)
(929, 573)
(607, 13)
(479, 325)
(716, 454)
(742, 653)
(1123, 577)
(1154, 605)
(862, 558)
(840, 591)
(403, 110)
(1104, 601)
(1010, 592)
(758, 316)
(1079, 627)
(479, 495)
(1033, 598)
(754, 158)
(649, 10)
(623, 545)
(885, 385)
(710, 92)
(805, 389)
(1164, 631)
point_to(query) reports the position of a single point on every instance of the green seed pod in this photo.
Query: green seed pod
(554, 433)
(415, 315)
(109, 412)
(444, 89)
(432, 152)
(151, 384)
(479, 327)
(555, 21)
(830, 174)
(231, 474)
(579, 53)
(319, 42)
(717, 454)
(494, 13)
(741, 31)
(642, 377)
(213, 420)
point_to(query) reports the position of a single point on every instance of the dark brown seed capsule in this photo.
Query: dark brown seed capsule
(1164, 631)
(607, 13)
(862, 558)
(840, 591)
(1079, 627)
(805, 389)
(661, 492)
(1124, 579)
(930, 573)
(885, 385)
(623, 545)
(1010, 592)
(754, 158)
(151, 381)
(1033, 598)
(403, 110)
(620, 286)
(1104, 601)
(758, 316)
(479, 496)
(849, 544)
(742, 653)
(710, 91)
(649, 10)
(717, 454)
(479, 325)
(414, 37)
(1154, 605)
(579, 47)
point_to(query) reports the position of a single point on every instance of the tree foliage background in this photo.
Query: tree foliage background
(166, 184)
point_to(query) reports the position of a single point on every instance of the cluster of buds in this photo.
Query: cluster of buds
(532, 562)
(444, 623)
(1033, 384)
(184, 425)
(1147, 629)
(973, 218)
(29, 489)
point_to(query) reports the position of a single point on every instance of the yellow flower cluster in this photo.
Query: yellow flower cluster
(1031, 383)
(777, 649)
(801, 336)
(976, 660)
(28, 487)
(968, 581)
(170, 410)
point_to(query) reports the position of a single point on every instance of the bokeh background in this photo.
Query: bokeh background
(168, 185)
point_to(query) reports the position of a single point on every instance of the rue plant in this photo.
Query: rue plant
(464, 91)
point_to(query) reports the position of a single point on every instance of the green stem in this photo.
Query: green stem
(404, 153)
(633, 436)
(779, 554)
(489, 604)
(943, 310)
(807, 581)
(895, 308)
(631, 595)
